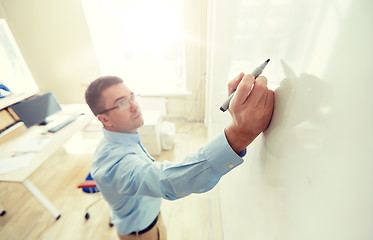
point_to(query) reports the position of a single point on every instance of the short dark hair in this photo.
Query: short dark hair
(94, 90)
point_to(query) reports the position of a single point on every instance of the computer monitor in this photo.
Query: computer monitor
(35, 110)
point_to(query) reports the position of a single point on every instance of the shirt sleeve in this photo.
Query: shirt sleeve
(196, 173)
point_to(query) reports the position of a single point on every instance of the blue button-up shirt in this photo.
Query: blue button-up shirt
(133, 183)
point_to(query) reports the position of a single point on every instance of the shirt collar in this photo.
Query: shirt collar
(122, 138)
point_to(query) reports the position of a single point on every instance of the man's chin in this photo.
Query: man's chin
(141, 123)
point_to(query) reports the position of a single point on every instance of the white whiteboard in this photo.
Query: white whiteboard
(310, 176)
(14, 72)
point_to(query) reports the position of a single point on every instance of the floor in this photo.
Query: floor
(57, 178)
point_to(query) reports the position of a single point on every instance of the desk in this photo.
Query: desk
(22, 135)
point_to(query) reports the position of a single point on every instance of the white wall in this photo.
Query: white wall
(54, 39)
(14, 72)
(309, 176)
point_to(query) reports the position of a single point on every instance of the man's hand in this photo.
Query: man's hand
(251, 113)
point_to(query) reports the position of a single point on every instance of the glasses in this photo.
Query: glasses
(122, 105)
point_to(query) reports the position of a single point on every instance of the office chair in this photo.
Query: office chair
(89, 186)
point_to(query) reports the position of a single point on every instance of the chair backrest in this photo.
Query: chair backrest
(89, 185)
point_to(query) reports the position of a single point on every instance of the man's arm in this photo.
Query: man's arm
(251, 113)
(134, 174)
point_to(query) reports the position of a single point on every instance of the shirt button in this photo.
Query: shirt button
(230, 165)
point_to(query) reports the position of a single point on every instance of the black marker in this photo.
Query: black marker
(257, 71)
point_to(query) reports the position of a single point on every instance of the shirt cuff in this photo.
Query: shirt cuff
(221, 156)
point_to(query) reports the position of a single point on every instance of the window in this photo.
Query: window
(140, 41)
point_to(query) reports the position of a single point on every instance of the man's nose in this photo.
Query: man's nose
(134, 105)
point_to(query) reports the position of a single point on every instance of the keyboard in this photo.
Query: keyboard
(63, 124)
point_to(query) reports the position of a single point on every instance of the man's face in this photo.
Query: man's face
(120, 120)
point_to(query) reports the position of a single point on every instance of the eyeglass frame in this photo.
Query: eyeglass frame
(120, 106)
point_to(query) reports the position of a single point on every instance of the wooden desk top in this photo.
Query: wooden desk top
(23, 135)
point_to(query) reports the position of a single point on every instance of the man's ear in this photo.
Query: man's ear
(104, 120)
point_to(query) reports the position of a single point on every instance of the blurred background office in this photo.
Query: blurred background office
(307, 177)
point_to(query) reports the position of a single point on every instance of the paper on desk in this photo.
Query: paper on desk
(35, 145)
(14, 163)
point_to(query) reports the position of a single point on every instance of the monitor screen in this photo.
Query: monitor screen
(35, 110)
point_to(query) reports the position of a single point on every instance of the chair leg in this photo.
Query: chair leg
(111, 224)
(87, 216)
(89, 206)
(93, 203)
(2, 211)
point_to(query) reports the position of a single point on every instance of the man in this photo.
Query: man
(133, 183)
